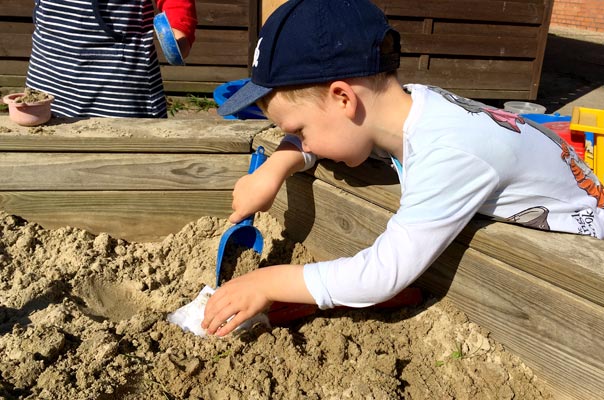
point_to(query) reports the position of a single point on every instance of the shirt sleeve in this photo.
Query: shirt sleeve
(182, 15)
(309, 158)
(442, 191)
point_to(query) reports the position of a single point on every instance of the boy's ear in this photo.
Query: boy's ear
(344, 97)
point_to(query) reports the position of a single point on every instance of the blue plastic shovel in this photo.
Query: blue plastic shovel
(243, 234)
(167, 41)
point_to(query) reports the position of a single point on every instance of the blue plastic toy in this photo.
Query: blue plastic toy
(226, 90)
(166, 39)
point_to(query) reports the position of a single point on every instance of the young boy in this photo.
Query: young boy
(325, 71)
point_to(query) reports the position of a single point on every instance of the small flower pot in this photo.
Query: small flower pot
(28, 113)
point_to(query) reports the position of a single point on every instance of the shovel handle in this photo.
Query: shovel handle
(258, 158)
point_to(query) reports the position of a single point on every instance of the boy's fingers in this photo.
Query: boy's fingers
(234, 218)
(231, 325)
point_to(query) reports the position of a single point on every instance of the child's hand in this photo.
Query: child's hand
(257, 192)
(254, 192)
(249, 294)
(240, 298)
(183, 42)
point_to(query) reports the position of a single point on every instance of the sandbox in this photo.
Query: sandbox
(83, 307)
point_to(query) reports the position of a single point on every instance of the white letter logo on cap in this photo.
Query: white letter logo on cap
(257, 53)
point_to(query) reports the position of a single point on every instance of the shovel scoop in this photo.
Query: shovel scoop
(243, 234)
(166, 39)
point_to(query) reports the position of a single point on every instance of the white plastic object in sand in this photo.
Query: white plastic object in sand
(189, 316)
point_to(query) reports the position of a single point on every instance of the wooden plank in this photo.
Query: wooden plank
(15, 45)
(558, 335)
(572, 262)
(253, 31)
(12, 8)
(12, 27)
(486, 74)
(474, 28)
(191, 86)
(232, 13)
(541, 42)
(521, 12)
(93, 171)
(104, 144)
(469, 45)
(11, 81)
(327, 220)
(14, 67)
(202, 73)
(140, 135)
(215, 47)
(133, 216)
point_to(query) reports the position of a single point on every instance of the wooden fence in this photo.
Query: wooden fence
(476, 48)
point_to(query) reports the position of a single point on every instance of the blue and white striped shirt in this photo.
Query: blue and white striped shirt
(97, 58)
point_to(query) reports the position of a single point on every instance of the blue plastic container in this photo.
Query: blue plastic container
(544, 118)
(226, 90)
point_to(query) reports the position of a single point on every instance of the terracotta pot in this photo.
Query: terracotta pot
(28, 114)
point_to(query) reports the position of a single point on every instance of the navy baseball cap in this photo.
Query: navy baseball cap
(318, 41)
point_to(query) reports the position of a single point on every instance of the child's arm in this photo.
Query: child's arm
(257, 191)
(183, 20)
(247, 295)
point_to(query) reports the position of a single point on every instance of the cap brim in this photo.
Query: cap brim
(248, 94)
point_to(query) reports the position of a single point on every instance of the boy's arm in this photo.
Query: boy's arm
(249, 294)
(257, 191)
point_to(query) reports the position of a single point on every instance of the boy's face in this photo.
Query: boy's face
(325, 128)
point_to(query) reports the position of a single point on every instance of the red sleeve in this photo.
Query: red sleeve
(181, 14)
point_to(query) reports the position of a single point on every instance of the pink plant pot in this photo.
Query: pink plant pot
(28, 114)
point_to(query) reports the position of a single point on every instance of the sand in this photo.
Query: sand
(83, 316)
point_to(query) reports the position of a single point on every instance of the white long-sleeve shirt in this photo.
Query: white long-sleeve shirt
(460, 158)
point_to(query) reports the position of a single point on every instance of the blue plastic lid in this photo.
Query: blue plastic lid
(544, 118)
(226, 90)
(166, 39)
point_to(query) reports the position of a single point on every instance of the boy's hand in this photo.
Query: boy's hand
(240, 298)
(252, 193)
(249, 294)
(257, 192)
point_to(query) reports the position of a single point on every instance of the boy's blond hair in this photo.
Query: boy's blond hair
(316, 92)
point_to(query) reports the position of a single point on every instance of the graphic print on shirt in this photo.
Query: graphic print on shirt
(503, 118)
(534, 217)
(585, 177)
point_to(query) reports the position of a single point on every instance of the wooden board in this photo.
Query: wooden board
(144, 135)
(136, 216)
(110, 171)
(232, 13)
(519, 11)
(571, 262)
